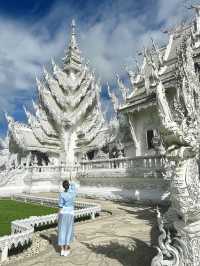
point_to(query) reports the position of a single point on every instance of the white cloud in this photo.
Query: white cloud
(172, 12)
(113, 43)
(109, 39)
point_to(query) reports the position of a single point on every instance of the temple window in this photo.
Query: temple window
(90, 155)
(195, 26)
(197, 69)
(150, 135)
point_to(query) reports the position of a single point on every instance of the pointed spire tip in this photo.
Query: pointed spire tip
(73, 24)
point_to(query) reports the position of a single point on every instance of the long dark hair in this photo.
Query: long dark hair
(65, 184)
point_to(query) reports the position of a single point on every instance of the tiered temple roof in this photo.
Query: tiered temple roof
(165, 59)
(68, 104)
(23, 137)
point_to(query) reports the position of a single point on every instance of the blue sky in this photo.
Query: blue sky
(110, 34)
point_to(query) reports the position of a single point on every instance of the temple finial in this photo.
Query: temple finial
(9, 119)
(73, 42)
(73, 25)
(72, 59)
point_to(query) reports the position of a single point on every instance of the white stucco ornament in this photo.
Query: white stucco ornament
(180, 131)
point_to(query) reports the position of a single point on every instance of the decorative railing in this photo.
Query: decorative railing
(147, 162)
(50, 201)
(22, 230)
(52, 168)
(152, 162)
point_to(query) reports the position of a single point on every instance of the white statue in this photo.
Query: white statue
(180, 131)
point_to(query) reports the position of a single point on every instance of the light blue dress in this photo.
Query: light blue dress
(66, 216)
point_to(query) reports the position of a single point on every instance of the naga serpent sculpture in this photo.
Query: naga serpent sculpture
(180, 132)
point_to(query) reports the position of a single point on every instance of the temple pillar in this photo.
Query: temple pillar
(133, 134)
(28, 159)
(69, 141)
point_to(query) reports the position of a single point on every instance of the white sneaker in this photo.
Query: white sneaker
(66, 253)
(62, 252)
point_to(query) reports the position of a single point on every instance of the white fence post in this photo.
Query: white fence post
(93, 215)
(4, 253)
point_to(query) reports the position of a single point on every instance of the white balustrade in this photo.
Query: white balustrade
(124, 163)
(56, 168)
(147, 162)
(22, 230)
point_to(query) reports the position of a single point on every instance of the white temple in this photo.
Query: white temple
(68, 136)
(141, 106)
(68, 121)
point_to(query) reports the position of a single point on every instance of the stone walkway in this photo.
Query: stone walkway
(123, 238)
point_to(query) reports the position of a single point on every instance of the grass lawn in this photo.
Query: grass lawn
(12, 210)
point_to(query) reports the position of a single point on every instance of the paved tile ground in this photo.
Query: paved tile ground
(123, 238)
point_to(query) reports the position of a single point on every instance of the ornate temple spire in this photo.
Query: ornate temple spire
(10, 120)
(132, 75)
(157, 51)
(122, 88)
(73, 42)
(68, 103)
(72, 59)
(114, 99)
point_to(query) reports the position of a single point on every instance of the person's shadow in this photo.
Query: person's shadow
(138, 253)
(53, 239)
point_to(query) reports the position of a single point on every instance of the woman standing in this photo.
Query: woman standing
(66, 217)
